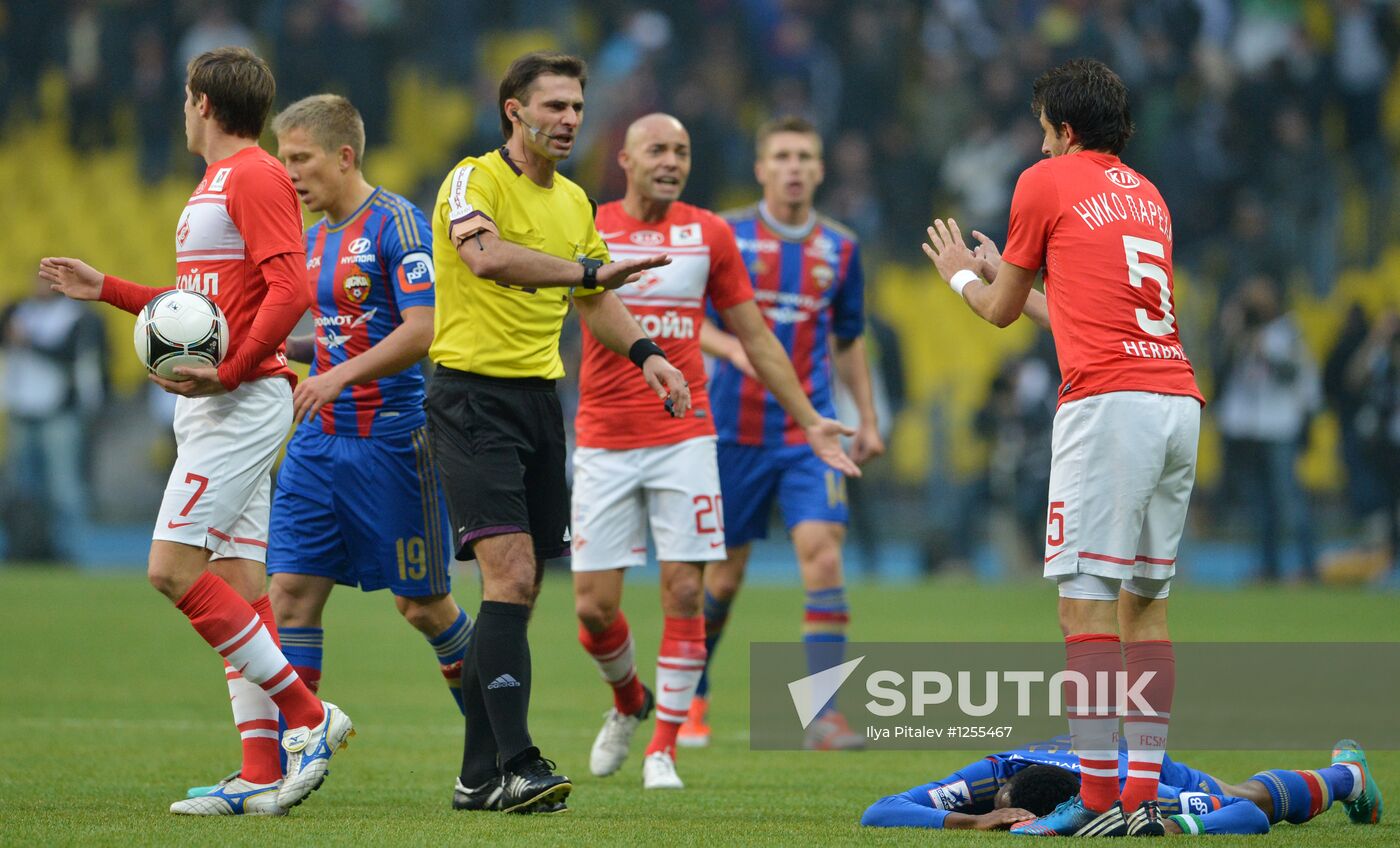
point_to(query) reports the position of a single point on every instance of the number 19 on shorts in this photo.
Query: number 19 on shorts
(412, 555)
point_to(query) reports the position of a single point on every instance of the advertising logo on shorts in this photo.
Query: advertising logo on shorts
(357, 288)
(1123, 178)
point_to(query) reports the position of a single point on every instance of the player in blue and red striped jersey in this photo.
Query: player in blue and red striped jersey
(357, 500)
(808, 283)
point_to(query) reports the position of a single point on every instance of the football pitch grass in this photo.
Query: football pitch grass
(111, 706)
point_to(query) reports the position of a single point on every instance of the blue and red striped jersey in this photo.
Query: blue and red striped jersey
(363, 272)
(809, 286)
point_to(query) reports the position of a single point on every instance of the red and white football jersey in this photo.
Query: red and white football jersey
(617, 410)
(243, 212)
(1103, 235)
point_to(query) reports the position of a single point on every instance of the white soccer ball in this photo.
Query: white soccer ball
(180, 328)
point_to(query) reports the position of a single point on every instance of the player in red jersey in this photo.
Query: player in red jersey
(1124, 443)
(635, 464)
(239, 242)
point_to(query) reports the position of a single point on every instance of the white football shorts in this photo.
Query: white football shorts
(220, 490)
(616, 492)
(1121, 474)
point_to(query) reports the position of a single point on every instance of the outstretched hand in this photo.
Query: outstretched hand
(72, 278)
(947, 250)
(623, 271)
(825, 440)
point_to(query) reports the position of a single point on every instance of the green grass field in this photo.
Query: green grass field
(111, 706)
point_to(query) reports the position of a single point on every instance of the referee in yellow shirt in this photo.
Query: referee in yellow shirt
(513, 242)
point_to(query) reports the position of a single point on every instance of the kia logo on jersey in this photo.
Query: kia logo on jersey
(1122, 177)
(359, 245)
(357, 288)
(648, 238)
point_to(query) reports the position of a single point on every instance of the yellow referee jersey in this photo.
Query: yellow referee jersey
(492, 328)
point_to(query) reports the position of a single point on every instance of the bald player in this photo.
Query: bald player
(636, 466)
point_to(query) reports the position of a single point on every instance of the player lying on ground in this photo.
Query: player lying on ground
(1017, 786)
(635, 465)
(808, 282)
(239, 242)
(358, 500)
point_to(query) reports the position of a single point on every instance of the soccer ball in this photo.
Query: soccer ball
(180, 328)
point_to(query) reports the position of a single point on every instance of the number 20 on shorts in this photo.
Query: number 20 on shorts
(709, 514)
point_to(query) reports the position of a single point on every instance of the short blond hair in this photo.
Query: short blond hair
(785, 124)
(332, 120)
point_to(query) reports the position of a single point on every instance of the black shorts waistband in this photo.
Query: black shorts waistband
(534, 384)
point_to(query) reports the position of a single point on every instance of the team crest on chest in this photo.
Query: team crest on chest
(823, 275)
(182, 232)
(357, 288)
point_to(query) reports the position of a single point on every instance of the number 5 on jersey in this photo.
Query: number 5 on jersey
(1138, 271)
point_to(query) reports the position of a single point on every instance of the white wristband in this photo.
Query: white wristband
(961, 279)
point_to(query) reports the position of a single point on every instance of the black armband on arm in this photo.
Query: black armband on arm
(643, 349)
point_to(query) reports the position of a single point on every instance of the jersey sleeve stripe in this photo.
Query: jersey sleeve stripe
(393, 214)
(406, 241)
(410, 236)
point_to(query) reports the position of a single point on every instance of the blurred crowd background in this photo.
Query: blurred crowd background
(1270, 126)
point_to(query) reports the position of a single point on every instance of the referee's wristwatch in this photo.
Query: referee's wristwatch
(590, 271)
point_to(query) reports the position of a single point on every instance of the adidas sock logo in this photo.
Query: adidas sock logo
(502, 682)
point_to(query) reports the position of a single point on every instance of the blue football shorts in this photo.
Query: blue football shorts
(751, 477)
(365, 512)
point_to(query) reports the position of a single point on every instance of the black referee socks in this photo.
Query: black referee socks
(503, 668)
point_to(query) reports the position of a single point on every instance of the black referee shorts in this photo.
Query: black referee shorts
(499, 443)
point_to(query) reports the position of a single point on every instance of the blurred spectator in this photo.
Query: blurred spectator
(54, 381)
(1267, 393)
(90, 98)
(156, 96)
(1300, 185)
(849, 194)
(1007, 505)
(1346, 379)
(215, 27)
(1363, 58)
(864, 494)
(1374, 371)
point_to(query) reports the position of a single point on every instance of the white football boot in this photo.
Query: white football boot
(659, 772)
(614, 740)
(309, 751)
(236, 797)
